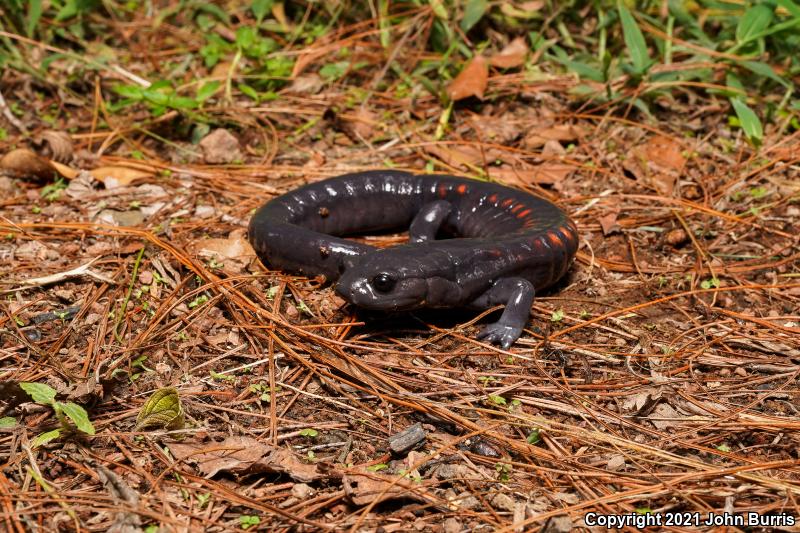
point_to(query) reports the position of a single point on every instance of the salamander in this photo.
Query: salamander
(504, 245)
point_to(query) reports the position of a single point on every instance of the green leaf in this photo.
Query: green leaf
(7, 422)
(634, 40)
(473, 12)
(207, 90)
(245, 37)
(78, 415)
(44, 438)
(162, 410)
(378, 467)
(129, 91)
(557, 316)
(39, 392)
(762, 69)
(248, 91)
(34, 14)
(260, 8)
(308, 432)
(334, 71)
(533, 437)
(791, 7)
(246, 521)
(751, 125)
(754, 21)
(497, 400)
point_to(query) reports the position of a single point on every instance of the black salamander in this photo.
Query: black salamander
(508, 243)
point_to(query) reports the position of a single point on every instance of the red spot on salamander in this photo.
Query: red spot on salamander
(517, 208)
(442, 190)
(493, 198)
(507, 202)
(523, 214)
(461, 189)
(555, 239)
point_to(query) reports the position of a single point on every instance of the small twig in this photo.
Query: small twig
(10, 116)
(82, 270)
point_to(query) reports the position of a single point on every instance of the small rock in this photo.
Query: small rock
(121, 218)
(408, 439)
(451, 525)
(302, 491)
(503, 502)
(204, 211)
(465, 501)
(146, 277)
(558, 524)
(220, 147)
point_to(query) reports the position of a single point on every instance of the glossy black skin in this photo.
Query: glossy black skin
(508, 243)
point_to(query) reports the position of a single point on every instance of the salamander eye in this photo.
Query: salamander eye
(383, 282)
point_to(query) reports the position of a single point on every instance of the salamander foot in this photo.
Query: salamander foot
(500, 334)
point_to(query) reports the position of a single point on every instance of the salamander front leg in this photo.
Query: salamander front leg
(517, 294)
(428, 220)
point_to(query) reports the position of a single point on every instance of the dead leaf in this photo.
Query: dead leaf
(496, 129)
(608, 222)
(512, 55)
(220, 147)
(361, 125)
(465, 155)
(563, 133)
(471, 81)
(665, 152)
(244, 456)
(657, 163)
(24, 163)
(231, 248)
(366, 487)
(548, 173)
(59, 144)
(118, 176)
(68, 172)
(664, 416)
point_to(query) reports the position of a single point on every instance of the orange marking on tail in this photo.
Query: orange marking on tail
(523, 214)
(555, 239)
(493, 198)
(461, 189)
(442, 191)
(517, 208)
(507, 202)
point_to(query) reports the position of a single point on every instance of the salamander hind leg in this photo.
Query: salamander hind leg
(428, 220)
(517, 294)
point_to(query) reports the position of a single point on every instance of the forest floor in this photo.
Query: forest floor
(660, 376)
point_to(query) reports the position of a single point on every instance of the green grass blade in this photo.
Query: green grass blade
(634, 40)
(754, 21)
(751, 125)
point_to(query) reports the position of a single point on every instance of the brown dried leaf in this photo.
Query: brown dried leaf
(665, 152)
(455, 156)
(24, 163)
(564, 132)
(471, 81)
(608, 222)
(366, 487)
(512, 55)
(117, 176)
(245, 456)
(548, 173)
(59, 144)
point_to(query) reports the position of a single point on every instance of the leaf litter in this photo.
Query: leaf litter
(291, 398)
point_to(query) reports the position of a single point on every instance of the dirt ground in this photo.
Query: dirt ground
(661, 376)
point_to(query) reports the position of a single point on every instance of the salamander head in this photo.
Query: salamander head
(380, 282)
